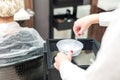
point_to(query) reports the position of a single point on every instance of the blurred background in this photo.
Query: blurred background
(48, 13)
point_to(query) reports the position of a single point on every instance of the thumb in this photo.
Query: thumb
(81, 32)
(70, 54)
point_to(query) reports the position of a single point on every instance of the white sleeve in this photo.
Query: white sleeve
(70, 71)
(105, 18)
(106, 66)
(108, 5)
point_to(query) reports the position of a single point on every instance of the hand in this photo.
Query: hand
(84, 23)
(62, 57)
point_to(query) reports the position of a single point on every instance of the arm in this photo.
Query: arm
(84, 23)
(104, 19)
(68, 70)
(106, 66)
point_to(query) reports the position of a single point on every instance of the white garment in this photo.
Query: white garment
(108, 4)
(107, 64)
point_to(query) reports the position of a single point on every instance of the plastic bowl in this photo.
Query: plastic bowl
(66, 45)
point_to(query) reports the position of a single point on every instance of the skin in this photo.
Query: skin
(84, 23)
(79, 27)
(6, 19)
(60, 57)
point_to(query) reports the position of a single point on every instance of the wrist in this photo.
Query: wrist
(94, 18)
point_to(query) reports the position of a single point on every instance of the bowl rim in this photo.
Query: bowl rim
(71, 40)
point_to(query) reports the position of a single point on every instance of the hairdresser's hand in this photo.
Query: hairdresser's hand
(61, 57)
(84, 23)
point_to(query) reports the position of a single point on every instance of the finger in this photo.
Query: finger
(81, 31)
(76, 29)
(55, 65)
(70, 54)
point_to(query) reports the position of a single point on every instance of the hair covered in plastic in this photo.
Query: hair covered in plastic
(20, 43)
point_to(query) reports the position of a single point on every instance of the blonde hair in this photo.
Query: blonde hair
(9, 7)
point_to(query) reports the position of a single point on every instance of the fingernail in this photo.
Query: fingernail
(71, 51)
(79, 34)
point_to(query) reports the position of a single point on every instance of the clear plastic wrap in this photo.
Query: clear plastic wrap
(20, 43)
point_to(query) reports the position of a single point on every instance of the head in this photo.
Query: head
(9, 7)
